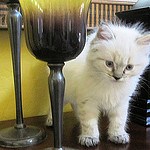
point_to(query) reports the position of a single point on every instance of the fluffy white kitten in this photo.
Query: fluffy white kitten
(103, 78)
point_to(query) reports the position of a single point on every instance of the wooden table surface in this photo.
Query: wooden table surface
(140, 136)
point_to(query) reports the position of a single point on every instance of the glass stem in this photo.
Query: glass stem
(57, 88)
(14, 21)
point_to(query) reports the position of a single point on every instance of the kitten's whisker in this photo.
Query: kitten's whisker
(144, 81)
(143, 78)
(144, 89)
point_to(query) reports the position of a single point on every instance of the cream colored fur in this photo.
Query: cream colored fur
(91, 87)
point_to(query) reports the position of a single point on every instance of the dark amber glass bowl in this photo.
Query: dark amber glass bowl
(55, 29)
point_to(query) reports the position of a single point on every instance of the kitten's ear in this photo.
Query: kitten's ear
(144, 40)
(105, 33)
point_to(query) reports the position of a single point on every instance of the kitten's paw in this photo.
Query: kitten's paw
(49, 121)
(88, 140)
(119, 139)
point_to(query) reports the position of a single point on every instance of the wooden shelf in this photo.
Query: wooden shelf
(139, 134)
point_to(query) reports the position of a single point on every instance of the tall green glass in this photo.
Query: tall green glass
(55, 32)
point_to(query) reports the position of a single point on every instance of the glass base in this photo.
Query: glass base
(14, 138)
(64, 148)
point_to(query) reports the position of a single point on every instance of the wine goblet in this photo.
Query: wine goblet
(55, 32)
(20, 135)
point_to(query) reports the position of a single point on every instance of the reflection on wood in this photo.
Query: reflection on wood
(102, 14)
(110, 13)
(104, 10)
(97, 14)
(3, 15)
(93, 19)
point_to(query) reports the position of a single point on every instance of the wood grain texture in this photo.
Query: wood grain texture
(139, 135)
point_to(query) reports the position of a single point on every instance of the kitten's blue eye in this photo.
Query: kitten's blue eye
(109, 64)
(129, 67)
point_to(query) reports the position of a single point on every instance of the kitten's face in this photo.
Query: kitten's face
(117, 67)
(116, 59)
